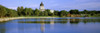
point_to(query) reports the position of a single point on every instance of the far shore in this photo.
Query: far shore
(13, 18)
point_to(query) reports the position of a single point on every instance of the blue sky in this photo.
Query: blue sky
(53, 4)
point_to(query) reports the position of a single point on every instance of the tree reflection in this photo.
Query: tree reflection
(2, 28)
(62, 21)
(91, 20)
(46, 21)
(24, 25)
(42, 27)
(74, 21)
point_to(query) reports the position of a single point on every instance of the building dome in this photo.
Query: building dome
(41, 4)
(42, 7)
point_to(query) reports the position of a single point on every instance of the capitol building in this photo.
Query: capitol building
(43, 9)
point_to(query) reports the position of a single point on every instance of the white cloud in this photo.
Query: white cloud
(34, 5)
(12, 7)
(29, 6)
(86, 0)
(89, 5)
(80, 6)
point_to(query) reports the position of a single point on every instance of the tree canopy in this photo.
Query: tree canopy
(21, 11)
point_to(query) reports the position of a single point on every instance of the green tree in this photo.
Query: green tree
(56, 13)
(41, 13)
(45, 13)
(15, 13)
(20, 10)
(36, 12)
(2, 11)
(48, 11)
(74, 11)
(93, 12)
(85, 11)
(98, 12)
(63, 13)
(28, 11)
(11, 13)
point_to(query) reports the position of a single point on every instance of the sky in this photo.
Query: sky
(53, 4)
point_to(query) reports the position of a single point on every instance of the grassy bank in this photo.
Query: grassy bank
(96, 15)
(38, 16)
(21, 17)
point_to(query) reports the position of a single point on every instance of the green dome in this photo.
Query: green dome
(41, 4)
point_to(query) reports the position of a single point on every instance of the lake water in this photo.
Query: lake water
(52, 25)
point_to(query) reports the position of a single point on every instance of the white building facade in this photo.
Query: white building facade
(42, 7)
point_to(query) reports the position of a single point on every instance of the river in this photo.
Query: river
(52, 25)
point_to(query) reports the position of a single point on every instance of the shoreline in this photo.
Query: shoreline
(13, 18)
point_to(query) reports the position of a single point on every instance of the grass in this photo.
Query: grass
(96, 15)
(38, 16)
(21, 17)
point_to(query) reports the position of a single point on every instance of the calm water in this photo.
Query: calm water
(52, 25)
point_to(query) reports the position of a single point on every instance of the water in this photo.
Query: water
(52, 25)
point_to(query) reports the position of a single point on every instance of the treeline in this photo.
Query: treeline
(5, 12)
(21, 11)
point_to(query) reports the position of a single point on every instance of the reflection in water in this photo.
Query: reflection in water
(74, 21)
(62, 21)
(52, 21)
(2, 28)
(90, 20)
(43, 28)
(49, 21)
(42, 25)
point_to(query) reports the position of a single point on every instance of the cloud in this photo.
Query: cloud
(13, 8)
(81, 6)
(90, 5)
(82, 0)
(28, 6)
(33, 6)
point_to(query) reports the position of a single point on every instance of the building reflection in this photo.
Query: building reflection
(44, 22)
(42, 25)
(51, 21)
